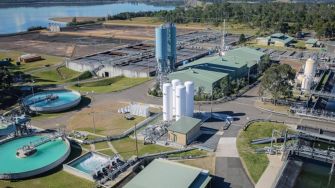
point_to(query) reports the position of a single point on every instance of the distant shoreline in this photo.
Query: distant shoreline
(69, 19)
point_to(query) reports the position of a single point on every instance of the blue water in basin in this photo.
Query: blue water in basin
(87, 163)
(64, 98)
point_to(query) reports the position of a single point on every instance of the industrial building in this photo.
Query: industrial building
(310, 43)
(277, 39)
(185, 130)
(208, 72)
(167, 174)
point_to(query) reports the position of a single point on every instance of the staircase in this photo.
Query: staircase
(94, 71)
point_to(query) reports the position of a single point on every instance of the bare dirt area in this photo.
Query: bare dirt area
(69, 19)
(107, 120)
(58, 44)
(119, 30)
(207, 163)
(294, 64)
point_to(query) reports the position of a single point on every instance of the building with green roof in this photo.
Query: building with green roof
(277, 39)
(310, 43)
(208, 72)
(185, 130)
(162, 173)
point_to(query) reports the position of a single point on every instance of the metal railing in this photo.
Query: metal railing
(245, 127)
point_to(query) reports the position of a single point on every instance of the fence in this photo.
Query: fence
(245, 127)
(166, 153)
(124, 134)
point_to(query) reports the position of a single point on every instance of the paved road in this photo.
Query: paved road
(229, 171)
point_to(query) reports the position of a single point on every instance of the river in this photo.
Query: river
(16, 18)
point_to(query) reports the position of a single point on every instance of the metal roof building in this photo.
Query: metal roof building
(162, 173)
(208, 72)
(185, 130)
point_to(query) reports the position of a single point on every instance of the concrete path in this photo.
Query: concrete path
(271, 172)
(111, 147)
(227, 147)
(92, 147)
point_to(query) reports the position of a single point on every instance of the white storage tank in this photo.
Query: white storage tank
(167, 102)
(180, 102)
(189, 98)
(311, 66)
(175, 83)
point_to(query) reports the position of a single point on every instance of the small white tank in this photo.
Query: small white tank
(180, 101)
(189, 98)
(175, 83)
(167, 102)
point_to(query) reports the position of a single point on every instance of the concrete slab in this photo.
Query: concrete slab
(270, 172)
(227, 147)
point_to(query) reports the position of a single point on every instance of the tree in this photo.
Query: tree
(200, 91)
(264, 63)
(242, 39)
(282, 27)
(74, 20)
(276, 81)
(226, 86)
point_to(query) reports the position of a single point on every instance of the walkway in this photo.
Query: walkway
(271, 172)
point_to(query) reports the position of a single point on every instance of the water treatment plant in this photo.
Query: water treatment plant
(158, 105)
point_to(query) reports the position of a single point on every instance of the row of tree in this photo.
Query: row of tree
(281, 17)
(6, 79)
(33, 28)
(74, 22)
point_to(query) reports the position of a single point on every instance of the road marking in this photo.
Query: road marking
(300, 121)
(269, 116)
(242, 103)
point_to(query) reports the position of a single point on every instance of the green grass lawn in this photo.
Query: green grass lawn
(107, 152)
(195, 152)
(126, 148)
(256, 163)
(109, 85)
(85, 100)
(101, 145)
(30, 66)
(86, 146)
(51, 76)
(53, 178)
(301, 44)
(323, 81)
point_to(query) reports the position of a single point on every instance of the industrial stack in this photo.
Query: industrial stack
(178, 100)
(166, 50)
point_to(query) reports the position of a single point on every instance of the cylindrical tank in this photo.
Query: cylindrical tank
(180, 101)
(300, 78)
(167, 103)
(189, 98)
(175, 83)
(310, 67)
(172, 45)
(161, 47)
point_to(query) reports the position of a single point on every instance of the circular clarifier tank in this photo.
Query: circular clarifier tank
(52, 101)
(48, 156)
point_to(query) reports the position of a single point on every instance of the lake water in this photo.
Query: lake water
(18, 18)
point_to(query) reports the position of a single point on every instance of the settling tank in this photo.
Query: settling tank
(52, 101)
(47, 157)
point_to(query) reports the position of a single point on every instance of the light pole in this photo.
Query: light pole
(136, 139)
(93, 118)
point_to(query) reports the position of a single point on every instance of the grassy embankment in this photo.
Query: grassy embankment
(323, 81)
(30, 66)
(53, 178)
(256, 163)
(51, 76)
(109, 84)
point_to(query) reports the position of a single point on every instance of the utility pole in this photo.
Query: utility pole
(212, 102)
(93, 118)
(136, 139)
